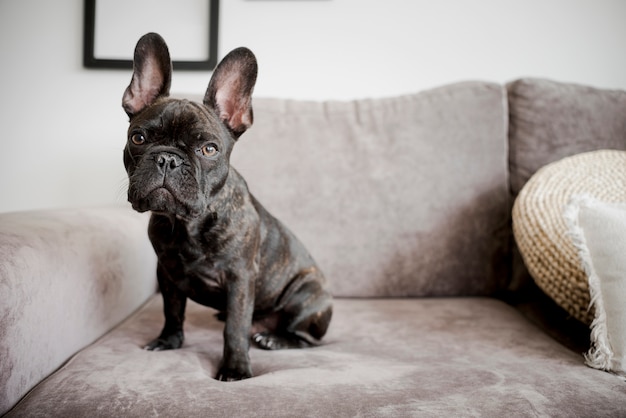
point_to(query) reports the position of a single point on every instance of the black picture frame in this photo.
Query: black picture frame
(91, 61)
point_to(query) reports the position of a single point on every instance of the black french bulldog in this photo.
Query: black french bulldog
(215, 243)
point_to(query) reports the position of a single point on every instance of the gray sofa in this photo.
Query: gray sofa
(405, 203)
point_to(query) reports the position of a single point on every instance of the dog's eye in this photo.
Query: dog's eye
(138, 139)
(209, 150)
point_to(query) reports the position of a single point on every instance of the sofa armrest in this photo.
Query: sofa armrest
(66, 278)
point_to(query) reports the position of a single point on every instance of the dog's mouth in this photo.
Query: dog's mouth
(162, 200)
(157, 199)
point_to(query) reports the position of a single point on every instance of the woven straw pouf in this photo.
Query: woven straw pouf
(541, 231)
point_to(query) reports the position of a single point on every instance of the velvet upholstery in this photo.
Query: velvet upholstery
(66, 278)
(400, 200)
(381, 358)
(549, 120)
(404, 196)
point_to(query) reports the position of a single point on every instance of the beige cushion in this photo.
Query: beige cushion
(541, 231)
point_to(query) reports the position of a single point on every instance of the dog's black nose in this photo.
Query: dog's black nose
(166, 161)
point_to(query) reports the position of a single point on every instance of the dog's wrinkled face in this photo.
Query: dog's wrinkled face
(177, 153)
(177, 157)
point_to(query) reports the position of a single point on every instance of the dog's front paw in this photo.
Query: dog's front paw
(169, 342)
(227, 374)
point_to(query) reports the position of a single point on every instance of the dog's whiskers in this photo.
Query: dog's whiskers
(122, 190)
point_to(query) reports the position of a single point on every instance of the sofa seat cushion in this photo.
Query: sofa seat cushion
(381, 357)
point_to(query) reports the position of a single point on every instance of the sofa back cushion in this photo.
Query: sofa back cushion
(550, 120)
(404, 196)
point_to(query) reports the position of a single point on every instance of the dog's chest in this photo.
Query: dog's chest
(191, 259)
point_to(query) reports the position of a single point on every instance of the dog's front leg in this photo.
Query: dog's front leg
(174, 303)
(240, 306)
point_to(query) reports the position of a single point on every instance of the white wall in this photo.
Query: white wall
(63, 130)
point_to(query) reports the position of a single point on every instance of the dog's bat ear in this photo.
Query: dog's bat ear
(152, 74)
(230, 90)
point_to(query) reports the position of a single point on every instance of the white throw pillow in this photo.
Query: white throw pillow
(598, 230)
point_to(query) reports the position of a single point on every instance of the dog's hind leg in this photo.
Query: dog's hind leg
(303, 320)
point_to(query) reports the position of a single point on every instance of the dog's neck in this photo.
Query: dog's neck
(231, 197)
(223, 207)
